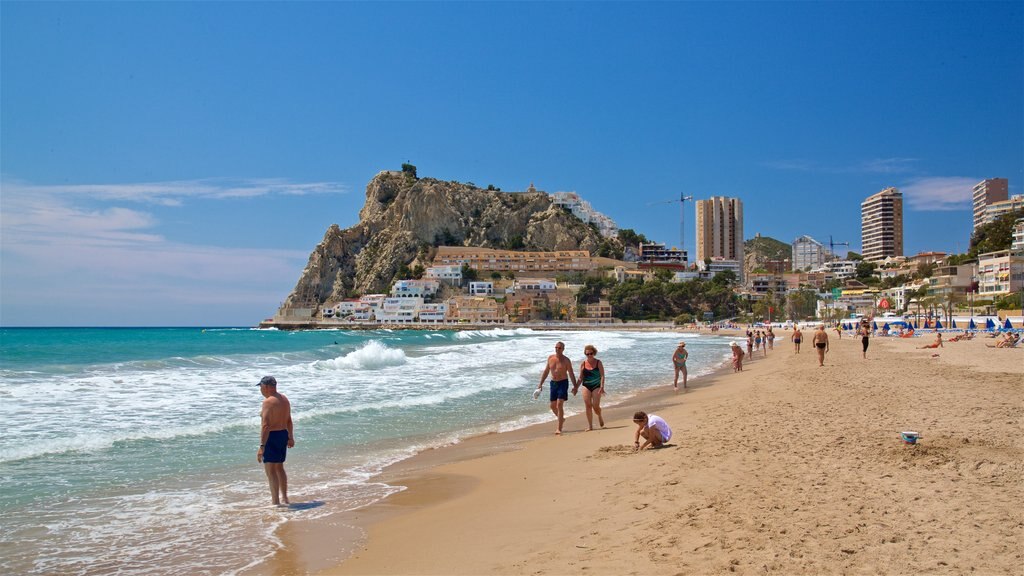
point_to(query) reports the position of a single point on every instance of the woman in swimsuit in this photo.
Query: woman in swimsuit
(592, 378)
(679, 361)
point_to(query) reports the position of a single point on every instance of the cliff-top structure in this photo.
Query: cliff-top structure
(405, 218)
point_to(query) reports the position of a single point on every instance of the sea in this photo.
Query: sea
(133, 450)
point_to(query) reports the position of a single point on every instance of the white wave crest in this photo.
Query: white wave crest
(372, 356)
(492, 333)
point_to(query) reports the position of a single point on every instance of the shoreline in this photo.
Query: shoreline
(786, 468)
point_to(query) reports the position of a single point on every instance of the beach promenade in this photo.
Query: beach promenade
(785, 468)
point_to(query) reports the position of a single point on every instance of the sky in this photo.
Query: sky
(174, 164)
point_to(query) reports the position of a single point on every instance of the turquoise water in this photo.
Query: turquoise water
(125, 446)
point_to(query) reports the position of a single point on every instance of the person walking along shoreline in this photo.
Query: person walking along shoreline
(560, 368)
(592, 379)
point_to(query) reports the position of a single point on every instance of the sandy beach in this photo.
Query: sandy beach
(787, 467)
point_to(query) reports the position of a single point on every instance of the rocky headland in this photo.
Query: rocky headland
(405, 218)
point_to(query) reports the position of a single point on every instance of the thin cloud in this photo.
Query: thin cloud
(83, 248)
(172, 193)
(895, 165)
(939, 194)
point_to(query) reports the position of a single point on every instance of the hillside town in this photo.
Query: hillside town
(804, 280)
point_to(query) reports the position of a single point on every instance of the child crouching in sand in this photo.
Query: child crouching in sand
(737, 357)
(653, 429)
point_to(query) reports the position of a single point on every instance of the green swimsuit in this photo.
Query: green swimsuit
(591, 378)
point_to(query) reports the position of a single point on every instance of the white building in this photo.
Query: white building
(449, 274)
(585, 212)
(808, 254)
(839, 269)
(435, 312)
(721, 265)
(532, 285)
(398, 310)
(1018, 236)
(481, 288)
(414, 288)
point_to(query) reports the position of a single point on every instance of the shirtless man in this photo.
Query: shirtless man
(276, 436)
(797, 337)
(820, 341)
(560, 368)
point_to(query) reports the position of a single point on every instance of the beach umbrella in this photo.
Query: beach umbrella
(971, 325)
(885, 326)
(938, 324)
(1007, 325)
(874, 325)
(916, 324)
(952, 324)
(989, 324)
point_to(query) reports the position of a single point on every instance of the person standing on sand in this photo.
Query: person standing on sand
(737, 357)
(653, 429)
(820, 341)
(679, 362)
(276, 436)
(796, 337)
(750, 345)
(560, 368)
(865, 334)
(592, 379)
(771, 338)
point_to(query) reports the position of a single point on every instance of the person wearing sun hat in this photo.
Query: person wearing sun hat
(679, 362)
(737, 356)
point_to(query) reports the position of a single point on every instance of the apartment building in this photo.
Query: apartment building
(720, 229)
(488, 259)
(881, 225)
(997, 209)
(1000, 273)
(808, 254)
(475, 310)
(654, 254)
(985, 193)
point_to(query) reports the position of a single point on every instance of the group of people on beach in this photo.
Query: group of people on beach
(652, 428)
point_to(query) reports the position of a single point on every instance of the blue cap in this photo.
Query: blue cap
(268, 381)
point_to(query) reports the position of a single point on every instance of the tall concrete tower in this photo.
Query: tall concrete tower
(881, 225)
(987, 192)
(720, 229)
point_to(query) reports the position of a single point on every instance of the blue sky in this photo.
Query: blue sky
(175, 163)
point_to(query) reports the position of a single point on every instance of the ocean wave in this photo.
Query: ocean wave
(492, 333)
(373, 356)
(92, 442)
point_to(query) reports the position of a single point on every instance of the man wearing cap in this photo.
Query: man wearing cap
(276, 436)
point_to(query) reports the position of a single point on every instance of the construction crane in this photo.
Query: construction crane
(832, 245)
(682, 216)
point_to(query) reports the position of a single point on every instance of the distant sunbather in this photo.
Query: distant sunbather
(937, 343)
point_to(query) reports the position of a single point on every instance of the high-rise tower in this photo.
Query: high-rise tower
(881, 225)
(720, 229)
(988, 192)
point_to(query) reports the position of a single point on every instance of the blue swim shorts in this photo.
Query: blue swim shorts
(276, 448)
(559, 389)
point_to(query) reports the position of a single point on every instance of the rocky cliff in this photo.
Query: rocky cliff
(759, 250)
(405, 219)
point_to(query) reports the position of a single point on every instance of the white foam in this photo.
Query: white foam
(372, 356)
